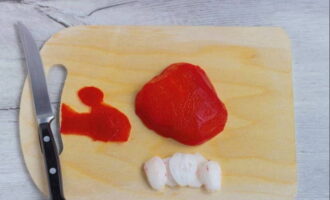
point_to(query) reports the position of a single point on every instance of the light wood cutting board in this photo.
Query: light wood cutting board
(251, 71)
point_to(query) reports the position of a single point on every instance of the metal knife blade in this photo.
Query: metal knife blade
(36, 73)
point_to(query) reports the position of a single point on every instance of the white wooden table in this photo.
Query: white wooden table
(306, 21)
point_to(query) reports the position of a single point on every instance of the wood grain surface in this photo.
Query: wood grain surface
(305, 21)
(251, 71)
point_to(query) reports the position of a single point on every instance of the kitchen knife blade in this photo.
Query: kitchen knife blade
(34, 65)
(43, 110)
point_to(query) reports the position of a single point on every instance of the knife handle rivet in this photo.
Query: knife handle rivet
(52, 170)
(46, 139)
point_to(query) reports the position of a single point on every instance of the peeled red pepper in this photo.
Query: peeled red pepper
(102, 123)
(182, 104)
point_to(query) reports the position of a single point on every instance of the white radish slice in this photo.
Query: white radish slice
(170, 180)
(183, 168)
(156, 173)
(210, 176)
(200, 159)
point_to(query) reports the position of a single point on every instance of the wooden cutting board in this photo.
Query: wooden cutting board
(251, 71)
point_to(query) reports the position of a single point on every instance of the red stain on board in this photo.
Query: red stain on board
(103, 123)
(182, 104)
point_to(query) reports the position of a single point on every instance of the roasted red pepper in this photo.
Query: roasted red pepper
(103, 122)
(181, 103)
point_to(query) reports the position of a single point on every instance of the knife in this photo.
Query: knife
(43, 111)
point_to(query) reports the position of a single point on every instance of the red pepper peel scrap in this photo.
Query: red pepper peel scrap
(103, 123)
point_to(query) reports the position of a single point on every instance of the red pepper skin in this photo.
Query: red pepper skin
(103, 123)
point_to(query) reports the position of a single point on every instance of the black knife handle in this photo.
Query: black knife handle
(52, 163)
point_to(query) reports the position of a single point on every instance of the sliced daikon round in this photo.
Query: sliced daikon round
(210, 176)
(200, 159)
(170, 180)
(183, 168)
(156, 173)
